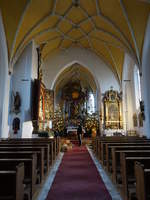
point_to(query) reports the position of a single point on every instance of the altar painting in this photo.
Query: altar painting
(112, 103)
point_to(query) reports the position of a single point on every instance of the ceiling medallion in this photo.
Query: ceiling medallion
(76, 3)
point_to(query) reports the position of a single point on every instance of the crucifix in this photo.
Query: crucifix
(39, 53)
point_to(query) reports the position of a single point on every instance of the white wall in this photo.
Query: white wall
(34, 61)
(23, 73)
(146, 79)
(129, 96)
(4, 83)
(56, 63)
(128, 93)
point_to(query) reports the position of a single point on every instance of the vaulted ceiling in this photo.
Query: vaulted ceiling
(107, 27)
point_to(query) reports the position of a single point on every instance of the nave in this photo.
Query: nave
(74, 69)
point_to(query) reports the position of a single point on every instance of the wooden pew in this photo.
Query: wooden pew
(27, 154)
(133, 147)
(55, 141)
(116, 160)
(100, 141)
(30, 169)
(95, 145)
(11, 184)
(127, 160)
(22, 147)
(54, 144)
(23, 150)
(109, 145)
(128, 140)
(142, 174)
(50, 141)
(39, 140)
(127, 146)
(48, 154)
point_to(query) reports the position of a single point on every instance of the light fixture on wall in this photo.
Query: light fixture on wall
(24, 80)
(126, 80)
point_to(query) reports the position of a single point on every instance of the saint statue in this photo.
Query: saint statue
(17, 102)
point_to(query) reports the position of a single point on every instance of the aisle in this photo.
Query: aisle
(77, 178)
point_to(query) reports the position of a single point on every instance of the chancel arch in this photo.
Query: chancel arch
(58, 61)
(76, 92)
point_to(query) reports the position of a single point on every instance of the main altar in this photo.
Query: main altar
(73, 101)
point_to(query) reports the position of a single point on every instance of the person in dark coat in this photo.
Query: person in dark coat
(79, 133)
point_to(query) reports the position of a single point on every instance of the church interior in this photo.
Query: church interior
(74, 99)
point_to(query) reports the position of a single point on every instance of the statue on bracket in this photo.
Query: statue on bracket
(16, 103)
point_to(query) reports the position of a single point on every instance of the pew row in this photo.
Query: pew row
(11, 183)
(142, 175)
(37, 156)
(118, 155)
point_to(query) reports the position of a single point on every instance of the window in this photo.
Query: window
(91, 104)
(137, 87)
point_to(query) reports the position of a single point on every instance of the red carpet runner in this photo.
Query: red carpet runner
(77, 178)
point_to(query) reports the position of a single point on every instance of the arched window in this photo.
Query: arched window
(91, 104)
(137, 87)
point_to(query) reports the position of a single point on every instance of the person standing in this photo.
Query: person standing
(79, 133)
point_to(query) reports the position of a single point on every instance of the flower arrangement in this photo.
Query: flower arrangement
(91, 121)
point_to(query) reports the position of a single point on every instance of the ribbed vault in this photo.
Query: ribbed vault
(107, 27)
